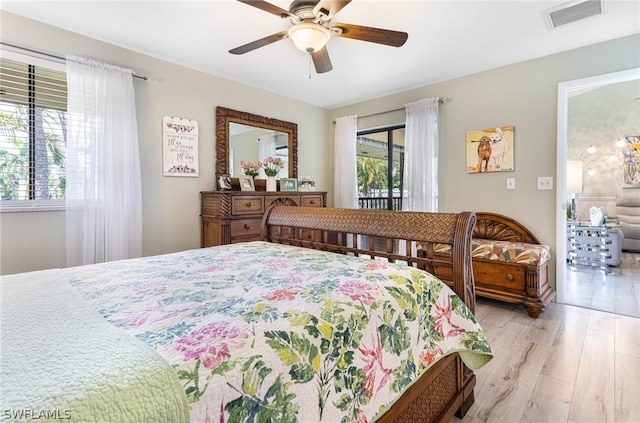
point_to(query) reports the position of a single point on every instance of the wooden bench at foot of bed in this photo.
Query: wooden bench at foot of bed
(509, 264)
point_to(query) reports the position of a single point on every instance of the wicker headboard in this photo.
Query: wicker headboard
(501, 228)
(383, 233)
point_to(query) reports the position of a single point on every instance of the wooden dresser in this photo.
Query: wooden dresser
(235, 216)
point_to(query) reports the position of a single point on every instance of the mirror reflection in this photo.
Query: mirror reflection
(250, 143)
(240, 136)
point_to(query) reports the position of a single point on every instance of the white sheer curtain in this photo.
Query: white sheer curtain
(345, 185)
(104, 195)
(421, 156)
(266, 148)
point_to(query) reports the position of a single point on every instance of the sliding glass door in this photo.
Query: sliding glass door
(380, 164)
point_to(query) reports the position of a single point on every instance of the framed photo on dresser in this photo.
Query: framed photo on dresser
(246, 183)
(288, 184)
(306, 183)
(223, 182)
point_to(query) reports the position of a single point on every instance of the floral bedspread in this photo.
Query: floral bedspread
(267, 332)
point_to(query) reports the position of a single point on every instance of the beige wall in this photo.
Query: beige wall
(523, 95)
(36, 240)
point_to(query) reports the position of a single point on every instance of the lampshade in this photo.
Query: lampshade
(574, 176)
(309, 37)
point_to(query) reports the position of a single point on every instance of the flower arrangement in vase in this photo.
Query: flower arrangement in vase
(251, 168)
(272, 166)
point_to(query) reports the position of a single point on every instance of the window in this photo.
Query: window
(380, 161)
(33, 101)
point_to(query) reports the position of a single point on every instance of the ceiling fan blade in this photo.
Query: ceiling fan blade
(259, 43)
(268, 7)
(321, 60)
(373, 35)
(329, 7)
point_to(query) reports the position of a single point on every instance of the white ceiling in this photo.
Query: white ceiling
(447, 39)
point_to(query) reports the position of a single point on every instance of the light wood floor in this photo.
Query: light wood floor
(617, 292)
(572, 364)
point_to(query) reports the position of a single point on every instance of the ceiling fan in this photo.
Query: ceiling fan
(312, 28)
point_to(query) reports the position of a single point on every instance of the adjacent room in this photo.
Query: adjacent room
(603, 183)
(320, 210)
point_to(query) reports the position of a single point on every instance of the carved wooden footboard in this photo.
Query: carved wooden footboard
(447, 387)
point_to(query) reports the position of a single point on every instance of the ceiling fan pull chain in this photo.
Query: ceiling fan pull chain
(309, 65)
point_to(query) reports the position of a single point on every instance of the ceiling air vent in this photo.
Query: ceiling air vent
(571, 12)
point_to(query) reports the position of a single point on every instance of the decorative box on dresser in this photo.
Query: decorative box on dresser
(235, 216)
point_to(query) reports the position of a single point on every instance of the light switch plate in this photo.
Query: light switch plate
(545, 182)
(511, 183)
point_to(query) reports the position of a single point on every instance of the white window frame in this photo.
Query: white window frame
(12, 206)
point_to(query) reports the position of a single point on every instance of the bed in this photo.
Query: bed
(282, 329)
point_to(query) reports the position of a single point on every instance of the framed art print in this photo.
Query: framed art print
(490, 150)
(631, 162)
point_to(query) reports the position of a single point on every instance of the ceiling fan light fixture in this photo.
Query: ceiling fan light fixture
(309, 37)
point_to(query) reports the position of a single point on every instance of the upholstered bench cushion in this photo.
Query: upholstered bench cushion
(512, 252)
(507, 251)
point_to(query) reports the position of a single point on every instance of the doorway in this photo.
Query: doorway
(565, 281)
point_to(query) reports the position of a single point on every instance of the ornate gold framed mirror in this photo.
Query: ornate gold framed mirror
(225, 118)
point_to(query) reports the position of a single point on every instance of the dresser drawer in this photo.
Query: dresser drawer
(508, 276)
(210, 205)
(245, 227)
(315, 200)
(247, 205)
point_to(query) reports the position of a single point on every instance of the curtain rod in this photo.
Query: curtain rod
(440, 101)
(4, 43)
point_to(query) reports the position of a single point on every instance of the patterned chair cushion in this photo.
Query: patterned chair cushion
(507, 251)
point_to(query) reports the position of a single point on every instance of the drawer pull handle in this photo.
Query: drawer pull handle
(509, 276)
(248, 204)
(312, 202)
(247, 226)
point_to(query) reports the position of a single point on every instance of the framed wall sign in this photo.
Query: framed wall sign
(179, 147)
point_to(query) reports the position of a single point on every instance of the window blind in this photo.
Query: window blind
(17, 79)
(33, 101)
